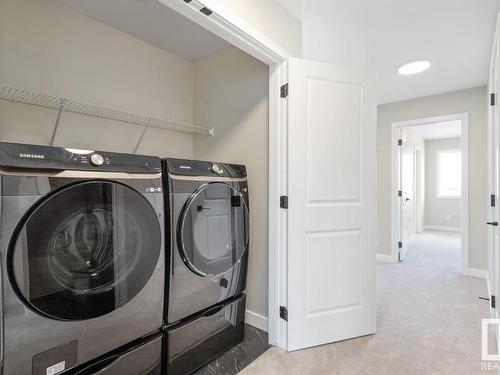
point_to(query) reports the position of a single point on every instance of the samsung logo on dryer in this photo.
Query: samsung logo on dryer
(31, 156)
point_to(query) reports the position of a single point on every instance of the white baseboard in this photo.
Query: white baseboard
(476, 272)
(442, 228)
(256, 320)
(384, 258)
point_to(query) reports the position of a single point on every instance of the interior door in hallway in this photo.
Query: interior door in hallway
(332, 204)
(407, 201)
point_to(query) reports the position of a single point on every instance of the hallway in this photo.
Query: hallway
(429, 321)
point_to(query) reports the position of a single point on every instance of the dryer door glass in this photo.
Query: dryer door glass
(85, 250)
(213, 229)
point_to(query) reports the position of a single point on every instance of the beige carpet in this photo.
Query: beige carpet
(429, 321)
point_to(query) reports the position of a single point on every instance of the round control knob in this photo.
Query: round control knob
(96, 159)
(217, 169)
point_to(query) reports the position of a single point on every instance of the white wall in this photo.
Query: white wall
(231, 95)
(51, 48)
(271, 19)
(439, 212)
(472, 101)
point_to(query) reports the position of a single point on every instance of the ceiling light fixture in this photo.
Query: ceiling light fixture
(414, 67)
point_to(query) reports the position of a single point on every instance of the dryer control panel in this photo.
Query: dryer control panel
(200, 168)
(16, 155)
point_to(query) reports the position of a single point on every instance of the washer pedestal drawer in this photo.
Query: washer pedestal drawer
(142, 359)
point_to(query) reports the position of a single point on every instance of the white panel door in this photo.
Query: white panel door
(407, 201)
(408, 155)
(332, 204)
(494, 174)
(419, 190)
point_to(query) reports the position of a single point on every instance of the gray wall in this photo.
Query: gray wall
(231, 95)
(51, 48)
(472, 101)
(439, 212)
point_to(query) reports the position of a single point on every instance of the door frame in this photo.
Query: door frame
(464, 203)
(239, 33)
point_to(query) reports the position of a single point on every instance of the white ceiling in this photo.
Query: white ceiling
(153, 23)
(456, 36)
(439, 130)
(294, 7)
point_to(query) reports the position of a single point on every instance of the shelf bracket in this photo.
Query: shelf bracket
(58, 118)
(140, 139)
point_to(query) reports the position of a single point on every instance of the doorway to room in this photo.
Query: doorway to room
(429, 181)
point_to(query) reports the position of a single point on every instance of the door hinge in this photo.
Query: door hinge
(284, 313)
(492, 302)
(492, 98)
(284, 201)
(284, 90)
(206, 11)
(400, 245)
(400, 142)
(400, 193)
(493, 200)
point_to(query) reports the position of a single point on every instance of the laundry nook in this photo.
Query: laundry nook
(222, 187)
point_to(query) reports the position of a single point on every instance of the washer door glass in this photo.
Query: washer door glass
(213, 229)
(85, 250)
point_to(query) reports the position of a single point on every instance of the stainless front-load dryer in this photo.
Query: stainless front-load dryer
(81, 238)
(208, 231)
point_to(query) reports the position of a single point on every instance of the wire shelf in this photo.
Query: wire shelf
(40, 99)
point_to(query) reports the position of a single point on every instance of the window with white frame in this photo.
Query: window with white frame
(449, 174)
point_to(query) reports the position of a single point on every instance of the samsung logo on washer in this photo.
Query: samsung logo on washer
(32, 156)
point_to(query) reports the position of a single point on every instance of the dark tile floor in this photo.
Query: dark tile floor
(235, 359)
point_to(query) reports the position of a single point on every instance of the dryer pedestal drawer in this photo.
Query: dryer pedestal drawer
(192, 344)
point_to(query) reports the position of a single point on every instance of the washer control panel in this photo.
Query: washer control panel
(15, 155)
